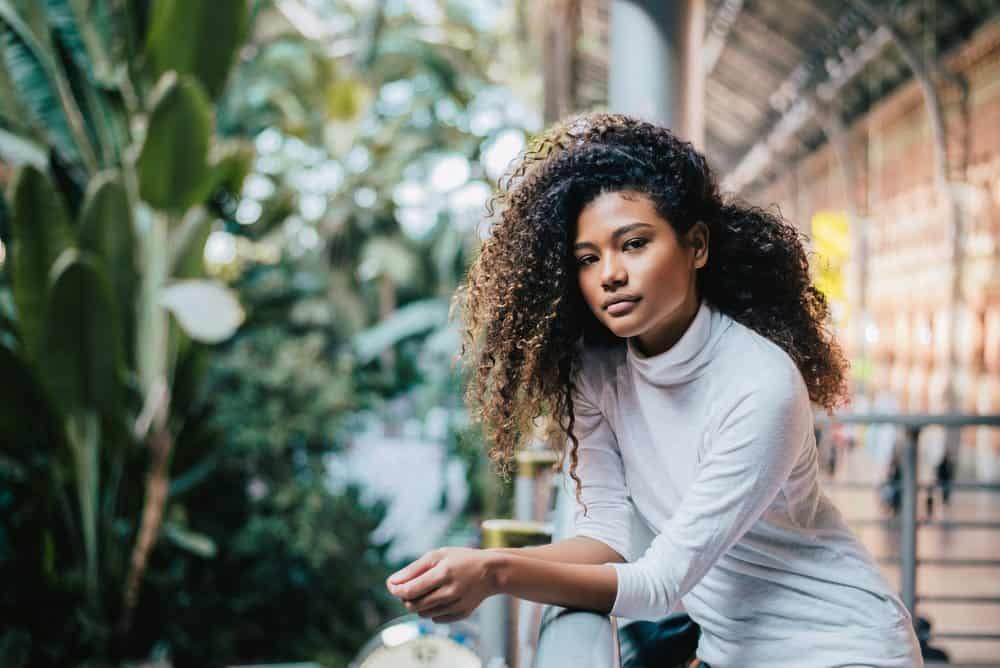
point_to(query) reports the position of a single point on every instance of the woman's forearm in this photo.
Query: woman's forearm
(575, 550)
(584, 586)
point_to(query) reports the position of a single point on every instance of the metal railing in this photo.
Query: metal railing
(522, 634)
(582, 639)
(908, 521)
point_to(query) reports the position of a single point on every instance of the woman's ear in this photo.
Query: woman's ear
(698, 240)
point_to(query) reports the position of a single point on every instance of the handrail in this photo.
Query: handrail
(577, 638)
(569, 637)
(581, 639)
(913, 420)
(912, 424)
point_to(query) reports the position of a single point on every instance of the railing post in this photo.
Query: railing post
(532, 483)
(496, 611)
(532, 494)
(908, 542)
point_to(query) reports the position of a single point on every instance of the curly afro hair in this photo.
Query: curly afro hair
(523, 311)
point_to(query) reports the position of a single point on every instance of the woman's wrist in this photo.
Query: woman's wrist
(586, 586)
(497, 562)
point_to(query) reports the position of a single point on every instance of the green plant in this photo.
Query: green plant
(109, 123)
(298, 576)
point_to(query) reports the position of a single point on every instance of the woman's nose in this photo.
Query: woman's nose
(613, 273)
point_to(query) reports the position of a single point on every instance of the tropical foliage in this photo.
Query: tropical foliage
(109, 123)
(378, 140)
(223, 247)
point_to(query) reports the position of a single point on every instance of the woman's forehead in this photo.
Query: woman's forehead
(614, 208)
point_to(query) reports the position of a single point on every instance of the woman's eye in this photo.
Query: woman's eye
(586, 259)
(635, 243)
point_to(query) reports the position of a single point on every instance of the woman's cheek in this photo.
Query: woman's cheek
(592, 295)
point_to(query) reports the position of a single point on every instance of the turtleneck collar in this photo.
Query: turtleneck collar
(685, 359)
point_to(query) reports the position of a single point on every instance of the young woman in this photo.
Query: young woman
(675, 343)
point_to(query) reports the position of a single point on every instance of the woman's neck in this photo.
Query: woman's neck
(663, 336)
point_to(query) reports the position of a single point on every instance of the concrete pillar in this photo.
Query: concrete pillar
(654, 64)
(559, 57)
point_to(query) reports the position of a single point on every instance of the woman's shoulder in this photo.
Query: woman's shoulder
(754, 362)
(599, 363)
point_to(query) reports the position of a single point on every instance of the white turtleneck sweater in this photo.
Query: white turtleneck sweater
(713, 442)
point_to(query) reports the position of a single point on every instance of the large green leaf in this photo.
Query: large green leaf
(207, 311)
(410, 320)
(106, 225)
(40, 233)
(212, 34)
(107, 230)
(173, 163)
(42, 91)
(82, 357)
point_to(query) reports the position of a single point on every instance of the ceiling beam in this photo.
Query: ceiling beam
(802, 110)
(718, 31)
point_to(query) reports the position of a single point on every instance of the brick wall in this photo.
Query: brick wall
(909, 267)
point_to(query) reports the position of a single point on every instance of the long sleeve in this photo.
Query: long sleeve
(602, 477)
(749, 459)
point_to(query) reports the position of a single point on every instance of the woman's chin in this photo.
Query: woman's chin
(624, 330)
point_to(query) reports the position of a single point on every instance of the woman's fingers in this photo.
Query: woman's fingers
(446, 608)
(418, 586)
(411, 571)
(448, 618)
(429, 601)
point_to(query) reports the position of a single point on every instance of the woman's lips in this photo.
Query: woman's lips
(622, 308)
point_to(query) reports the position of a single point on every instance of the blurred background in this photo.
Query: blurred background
(230, 232)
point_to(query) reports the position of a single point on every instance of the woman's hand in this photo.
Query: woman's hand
(446, 584)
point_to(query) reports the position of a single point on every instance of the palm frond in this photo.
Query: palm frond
(41, 89)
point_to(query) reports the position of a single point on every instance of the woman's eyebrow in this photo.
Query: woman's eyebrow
(624, 229)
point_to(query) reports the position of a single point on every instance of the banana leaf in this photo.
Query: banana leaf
(410, 320)
(207, 311)
(41, 232)
(41, 89)
(82, 363)
(213, 32)
(173, 163)
(107, 230)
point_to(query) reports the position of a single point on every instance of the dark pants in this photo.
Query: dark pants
(670, 642)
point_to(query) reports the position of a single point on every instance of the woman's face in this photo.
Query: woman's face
(635, 276)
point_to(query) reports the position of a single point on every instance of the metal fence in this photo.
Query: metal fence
(908, 522)
(582, 639)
